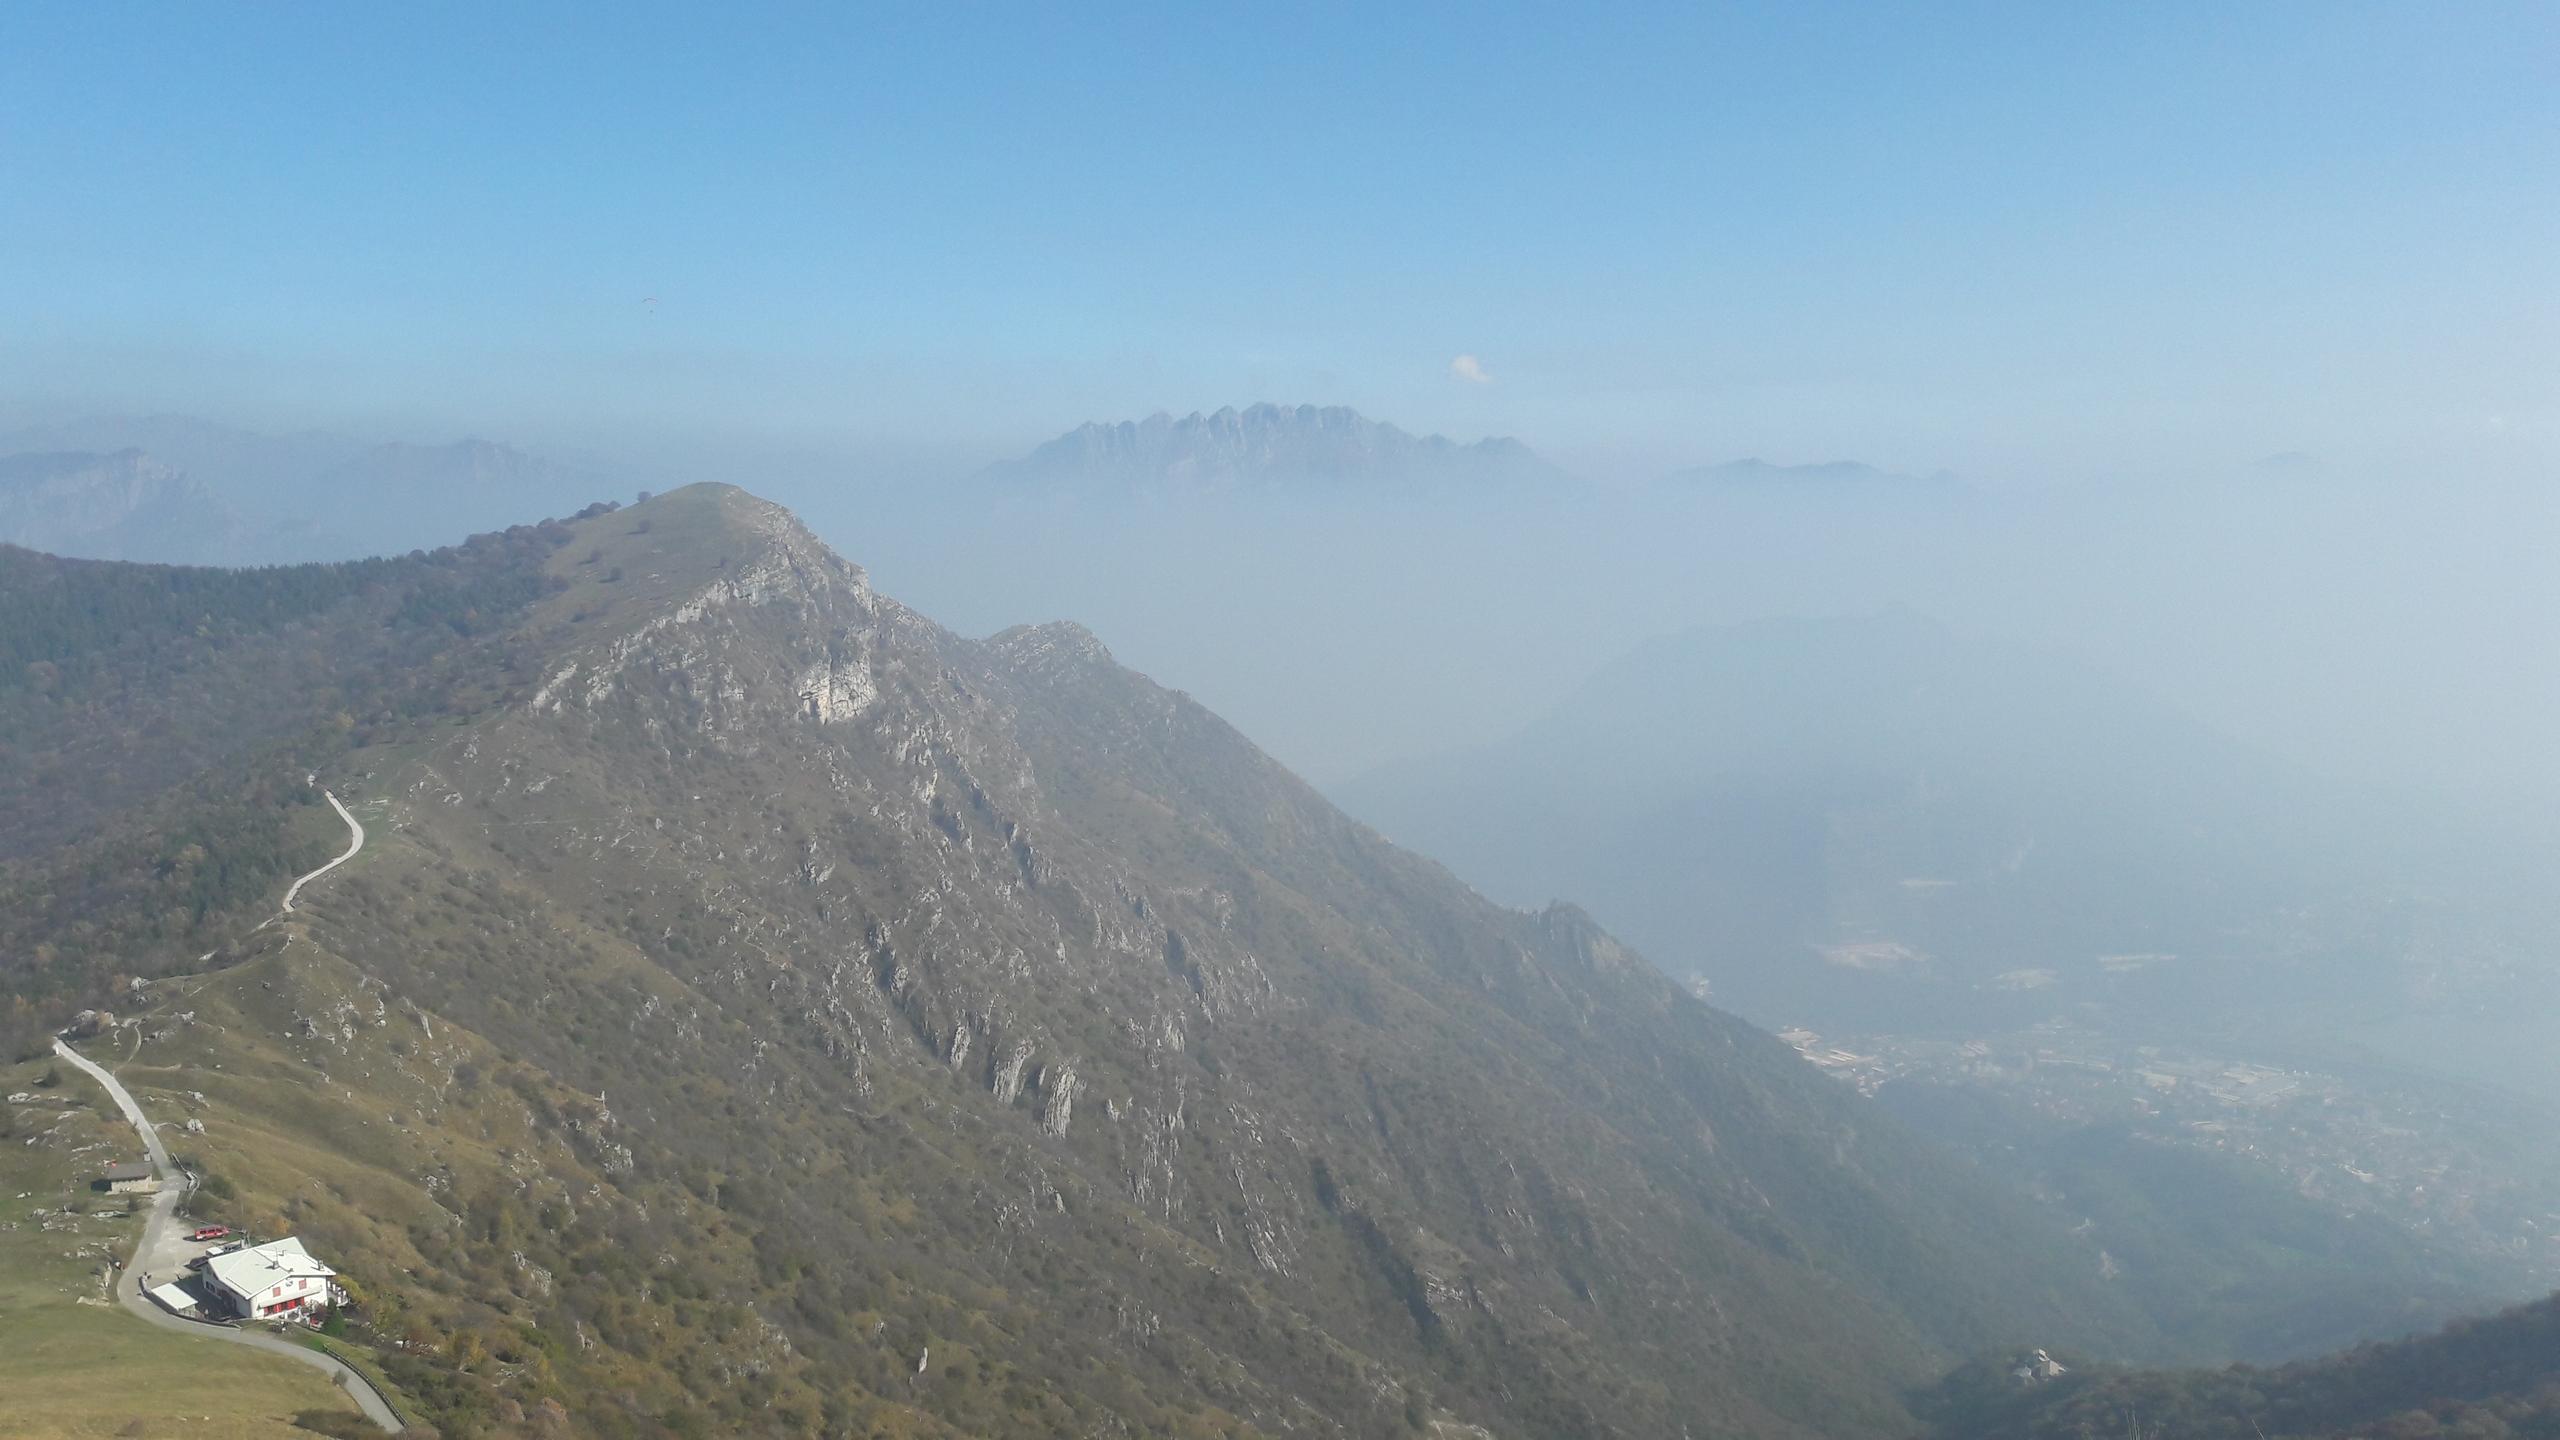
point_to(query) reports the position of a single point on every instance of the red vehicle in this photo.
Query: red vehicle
(210, 1232)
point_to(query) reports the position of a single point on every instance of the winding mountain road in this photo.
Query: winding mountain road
(174, 1187)
(354, 844)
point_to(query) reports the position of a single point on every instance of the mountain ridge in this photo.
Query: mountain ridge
(1267, 446)
(170, 489)
(120, 502)
(938, 973)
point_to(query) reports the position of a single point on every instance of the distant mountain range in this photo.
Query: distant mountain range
(124, 504)
(178, 489)
(222, 457)
(1268, 447)
(389, 493)
(1332, 449)
(173, 489)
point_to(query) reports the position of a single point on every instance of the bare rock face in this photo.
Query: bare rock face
(1010, 892)
(835, 691)
(987, 996)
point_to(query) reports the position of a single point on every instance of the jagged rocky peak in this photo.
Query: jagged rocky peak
(1057, 645)
(1268, 447)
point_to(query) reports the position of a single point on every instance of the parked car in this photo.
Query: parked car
(223, 1249)
(211, 1232)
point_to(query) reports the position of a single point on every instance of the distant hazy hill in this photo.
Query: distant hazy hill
(1880, 823)
(123, 504)
(1266, 447)
(377, 499)
(224, 458)
(2486, 1379)
(776, 1014)
(173, 489)
(1830, 477)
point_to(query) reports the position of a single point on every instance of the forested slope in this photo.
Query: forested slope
(2484, 1379)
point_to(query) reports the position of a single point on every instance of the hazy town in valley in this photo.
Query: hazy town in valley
(1769, 721)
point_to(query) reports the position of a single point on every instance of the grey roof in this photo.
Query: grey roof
(248, 1272)
(176, 1296)
(130, 1170)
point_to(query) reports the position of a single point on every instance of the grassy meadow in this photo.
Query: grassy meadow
(73, 1364)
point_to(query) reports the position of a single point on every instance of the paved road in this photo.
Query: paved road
(160, 1223)
(354, 844)
(159, 1153)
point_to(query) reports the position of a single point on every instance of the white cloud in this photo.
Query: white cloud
(1470, 369)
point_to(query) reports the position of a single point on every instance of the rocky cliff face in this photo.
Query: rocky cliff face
(1322, 1137)
(1265, 447)
(985, 1040)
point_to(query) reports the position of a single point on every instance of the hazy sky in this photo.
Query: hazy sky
(2022, 241)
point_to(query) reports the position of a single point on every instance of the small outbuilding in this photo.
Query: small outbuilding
(135, 1178)
(175, 1298)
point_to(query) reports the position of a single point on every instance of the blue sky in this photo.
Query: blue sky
(2023, 241)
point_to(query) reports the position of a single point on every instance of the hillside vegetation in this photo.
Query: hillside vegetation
(157, 724)
(760, 1011)
(2487, 1379)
